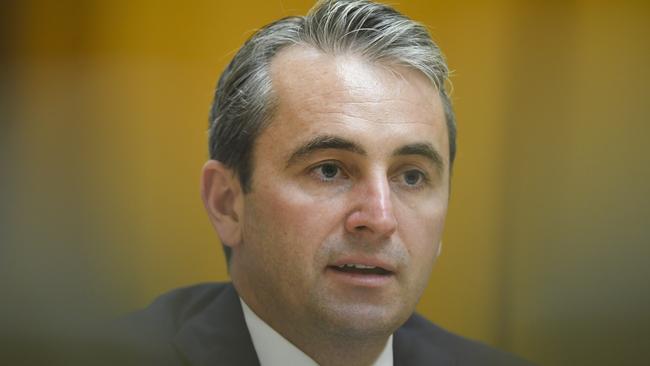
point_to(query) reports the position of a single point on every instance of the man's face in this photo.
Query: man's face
(352, 170)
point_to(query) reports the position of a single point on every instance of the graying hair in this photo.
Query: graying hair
(244, 102)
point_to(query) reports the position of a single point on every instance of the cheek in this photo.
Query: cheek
(297, 223)
(421, 231)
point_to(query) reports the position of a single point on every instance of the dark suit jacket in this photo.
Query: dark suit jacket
(204, 325)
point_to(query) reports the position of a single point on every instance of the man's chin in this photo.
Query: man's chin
(362, 320)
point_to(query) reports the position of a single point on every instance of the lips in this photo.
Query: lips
(361, 273)
(363, 266)
(361, 269)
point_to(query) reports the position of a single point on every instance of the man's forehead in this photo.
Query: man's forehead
(346, 96)
(304, 70)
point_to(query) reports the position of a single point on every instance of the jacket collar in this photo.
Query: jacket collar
(413, 344)
(218, 335)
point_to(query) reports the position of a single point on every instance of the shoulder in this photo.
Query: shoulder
(149, 336)
(420, 339)
(170, 311)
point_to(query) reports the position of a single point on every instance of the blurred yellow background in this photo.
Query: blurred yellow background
(547, 244)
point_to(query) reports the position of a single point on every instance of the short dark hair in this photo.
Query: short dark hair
(244, 102)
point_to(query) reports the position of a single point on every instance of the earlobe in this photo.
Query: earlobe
(222, 196)
(439, 249)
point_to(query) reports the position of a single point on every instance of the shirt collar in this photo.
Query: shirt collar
(275, 350)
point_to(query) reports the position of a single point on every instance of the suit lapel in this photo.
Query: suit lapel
(218, 335)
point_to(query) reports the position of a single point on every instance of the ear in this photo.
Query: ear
(439, 249)
(223, 199)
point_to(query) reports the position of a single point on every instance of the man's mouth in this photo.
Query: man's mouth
(362, 272)
(361, 269)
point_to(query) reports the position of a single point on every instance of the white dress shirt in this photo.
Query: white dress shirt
(274, 350)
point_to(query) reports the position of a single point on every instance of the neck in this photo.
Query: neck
(343, 351)
(326, 347)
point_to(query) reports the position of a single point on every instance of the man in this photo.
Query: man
(332, 140)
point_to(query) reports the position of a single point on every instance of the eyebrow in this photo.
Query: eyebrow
(425, 150)
(324, 142)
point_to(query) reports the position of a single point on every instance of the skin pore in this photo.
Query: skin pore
(353, 169)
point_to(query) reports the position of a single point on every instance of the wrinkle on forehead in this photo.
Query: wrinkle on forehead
(347, 116)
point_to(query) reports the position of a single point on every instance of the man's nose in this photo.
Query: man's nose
(372, 214)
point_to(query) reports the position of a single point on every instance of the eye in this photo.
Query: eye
(327, 171)
(412, 178)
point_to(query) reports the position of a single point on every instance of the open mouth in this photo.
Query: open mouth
(361, 269)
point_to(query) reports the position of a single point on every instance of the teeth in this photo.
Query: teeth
(359, 266)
